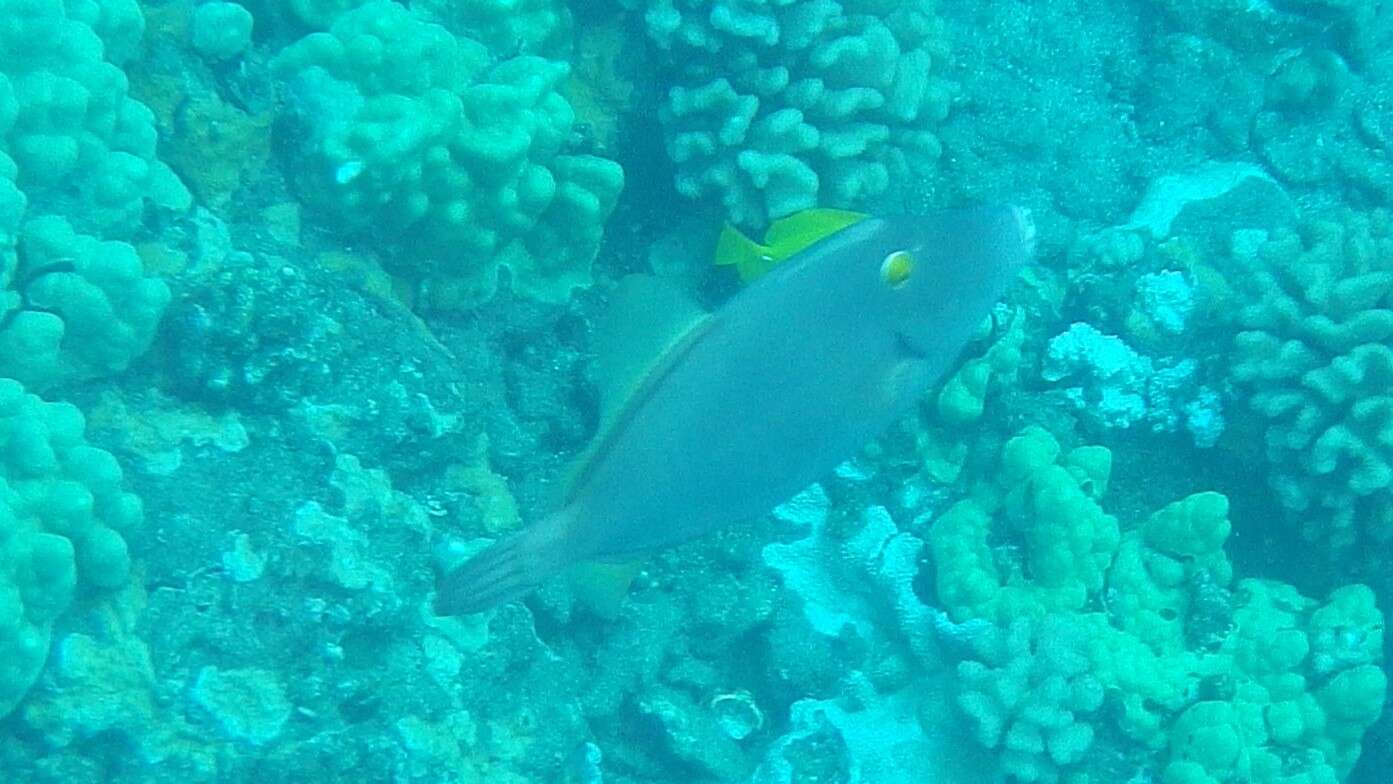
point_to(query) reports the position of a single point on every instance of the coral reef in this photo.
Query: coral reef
(1316, 351)
(1106, 638)
(77, 172)
(776, 107)
(221, 31)
(359, 344)
(1114, 386)
(80, 307)
(82, 147)
(63, 518)
(540, 27)
(460, 161)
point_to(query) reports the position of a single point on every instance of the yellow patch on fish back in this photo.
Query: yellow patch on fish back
(896, 268)
(784, 238)
(748, 257)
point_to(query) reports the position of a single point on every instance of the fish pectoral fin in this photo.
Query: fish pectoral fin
(602, 586)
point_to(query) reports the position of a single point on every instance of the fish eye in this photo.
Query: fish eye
(896, 268)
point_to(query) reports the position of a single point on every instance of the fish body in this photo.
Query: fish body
(755, 401)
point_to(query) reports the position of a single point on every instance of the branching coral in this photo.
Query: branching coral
(1130, 636)
(781, 106)
(1316, 353)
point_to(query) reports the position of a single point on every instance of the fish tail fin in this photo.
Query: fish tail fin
(747, 256)
(503, 572)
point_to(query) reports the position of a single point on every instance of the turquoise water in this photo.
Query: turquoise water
(303, 303)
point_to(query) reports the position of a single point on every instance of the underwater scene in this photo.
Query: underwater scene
(696, 391)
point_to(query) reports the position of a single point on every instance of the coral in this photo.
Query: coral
(1113, 375)
(77, 171)
(82, 147)
(692, 736)
(63, 517)
(1151, 280)
(962, 398)
(776, 106)
(863, 737)
(1315, 351)
(237, 344)
(1105, 639)
(324, 442)
(602, 87)
(1293, 81)
(95, 685)
(1031, 695)
(247, 705)
(541, 27)
(1049, 505)
(321, 14)
(80, 307)
(418, 136)
(1347, 25)
(1114, 386)
(819, 566)
(221, 31)
(119, 23)
(935, 442)
(217, 147)
(509, 27)
(1165, 301)
(1175, 203)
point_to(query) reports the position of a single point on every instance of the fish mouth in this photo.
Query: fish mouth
(906, 346)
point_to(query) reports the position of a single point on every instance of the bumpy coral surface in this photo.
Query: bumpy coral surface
(79, 307)
(781, 106)
(1102, 639)
(1316, 351)
(82, 146)
(63, 514)
(459, 159)
(77, 173)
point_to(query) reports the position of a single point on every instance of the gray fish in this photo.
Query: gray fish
(744, 407)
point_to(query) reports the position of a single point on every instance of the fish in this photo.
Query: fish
(708, 419)
(782, 240)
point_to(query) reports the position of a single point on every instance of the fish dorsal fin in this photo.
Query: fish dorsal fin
(647, 316)
(636, 341)
(787, 236)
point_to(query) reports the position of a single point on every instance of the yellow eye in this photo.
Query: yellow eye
(896, 268)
